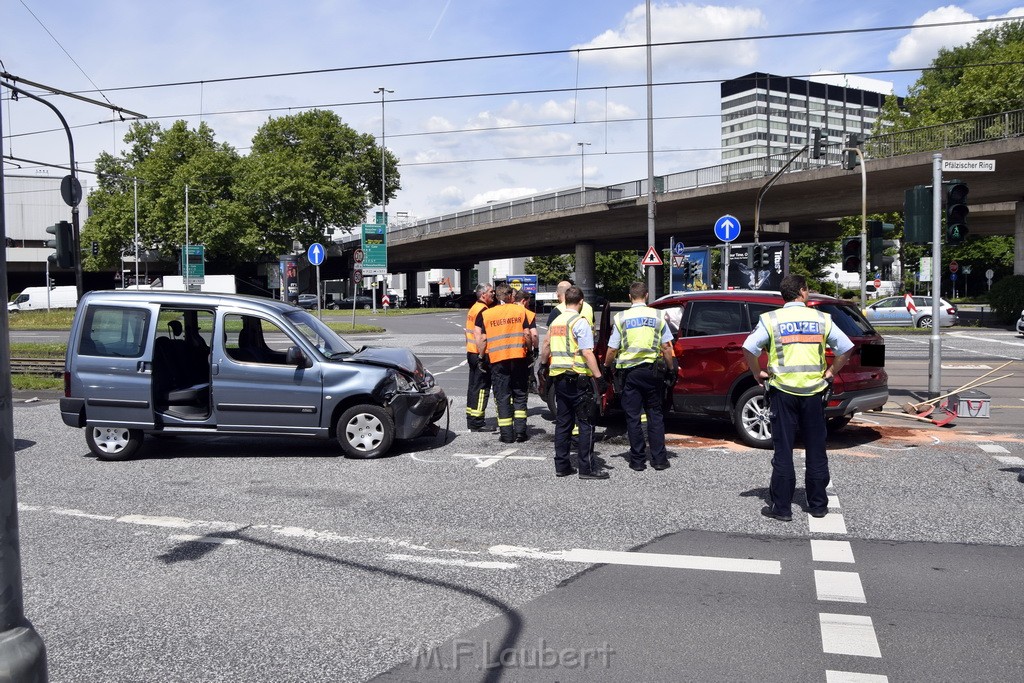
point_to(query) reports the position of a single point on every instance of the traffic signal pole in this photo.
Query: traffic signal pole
(935, 342)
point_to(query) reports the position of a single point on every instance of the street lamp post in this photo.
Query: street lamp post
(583, 185)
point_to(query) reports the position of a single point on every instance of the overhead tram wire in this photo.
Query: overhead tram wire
(543, 53)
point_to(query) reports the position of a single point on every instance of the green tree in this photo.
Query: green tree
(614, 272)
(308, 173)
(550, 270)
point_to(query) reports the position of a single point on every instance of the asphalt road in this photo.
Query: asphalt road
(457, 558)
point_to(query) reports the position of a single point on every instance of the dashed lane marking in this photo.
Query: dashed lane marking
(967, 366)
(839, 586)
(721, 564)
(832, 523)
(831, 551)
(992, 448)
(851, 677)
(1009, 459)
(848, 634)
(450, 562)
(215, 540)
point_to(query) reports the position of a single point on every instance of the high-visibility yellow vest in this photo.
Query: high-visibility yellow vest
(640, 331)
(796, 350)
(503, 326)
(565, 350)
(586, 310)
(474, 311)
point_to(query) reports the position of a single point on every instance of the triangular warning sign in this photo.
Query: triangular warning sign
(651, 258)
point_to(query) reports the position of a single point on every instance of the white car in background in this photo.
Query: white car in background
(893, 311)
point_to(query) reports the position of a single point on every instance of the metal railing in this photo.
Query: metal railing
(931, 138)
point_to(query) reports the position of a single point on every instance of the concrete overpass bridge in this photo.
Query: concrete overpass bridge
(806, 201)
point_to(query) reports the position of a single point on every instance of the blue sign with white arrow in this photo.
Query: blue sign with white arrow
(315, 254)
(679, 249)
(727, 228)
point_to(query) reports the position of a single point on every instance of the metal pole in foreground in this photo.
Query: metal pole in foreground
(22, 652)
(652, 275)
(935, 343)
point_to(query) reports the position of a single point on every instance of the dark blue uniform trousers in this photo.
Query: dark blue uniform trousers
(643, 392)
(806, 413)
(573, 398)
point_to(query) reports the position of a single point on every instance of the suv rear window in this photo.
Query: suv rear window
(706, 318)
(849, 319)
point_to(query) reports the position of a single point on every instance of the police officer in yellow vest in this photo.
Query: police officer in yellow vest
(798, 380)
(479, 378)
(586, 310)
(640, 337)
(504, 335)
(569, 351)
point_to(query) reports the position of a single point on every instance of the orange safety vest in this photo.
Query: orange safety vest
(474, 311)
(503, 326)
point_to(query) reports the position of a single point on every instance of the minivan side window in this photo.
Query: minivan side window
(250, 339)
(114, 332)
(708, 318)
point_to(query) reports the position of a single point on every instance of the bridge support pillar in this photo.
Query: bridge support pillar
(466, 283)
(409, 297)
(1018, 240)
(585, 270)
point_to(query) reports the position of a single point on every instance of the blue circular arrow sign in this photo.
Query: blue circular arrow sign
(679, 249)
(727, 228)
(315, 253)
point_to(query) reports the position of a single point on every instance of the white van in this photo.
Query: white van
(35, 298)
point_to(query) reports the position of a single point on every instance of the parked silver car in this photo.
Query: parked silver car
(893, 311)
(143, 362)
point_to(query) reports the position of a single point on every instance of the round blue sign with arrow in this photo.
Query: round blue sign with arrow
(679, 249)
(727, 228)
(315, 253)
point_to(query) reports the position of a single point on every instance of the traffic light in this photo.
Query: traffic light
(95, 248)
(762, 257)
(851, 159)
(917, 215)
(818, 144)
(52, 283)
(956, 212)
(877, 232)
(851, 254)
(64, 243)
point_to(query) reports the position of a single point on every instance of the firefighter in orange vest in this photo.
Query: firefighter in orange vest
(479, 378)
(502, 333)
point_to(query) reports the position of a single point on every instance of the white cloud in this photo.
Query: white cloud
(501, 195)
(680, 22)
(451, 196)
(919, 47)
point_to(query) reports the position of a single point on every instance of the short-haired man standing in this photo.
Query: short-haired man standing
(479, 378)
(569, 350)
(502, 333)
(643, 337)
(798, 380)
(586, 310)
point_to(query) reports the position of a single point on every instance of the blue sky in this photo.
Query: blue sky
(452, 157)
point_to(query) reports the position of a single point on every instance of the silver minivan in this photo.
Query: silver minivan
(143, 362)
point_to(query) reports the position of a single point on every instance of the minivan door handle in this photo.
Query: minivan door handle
(145, 366)
(215, 369)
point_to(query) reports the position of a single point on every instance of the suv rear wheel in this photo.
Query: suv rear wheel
(751, 418)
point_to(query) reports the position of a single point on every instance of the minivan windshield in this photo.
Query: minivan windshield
(320, 335)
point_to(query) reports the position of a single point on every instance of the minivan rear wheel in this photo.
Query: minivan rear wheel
(751, 418)
(113, 443)
(365, 431)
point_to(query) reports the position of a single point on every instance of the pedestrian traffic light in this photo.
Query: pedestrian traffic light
(917, 215)
(877, 233)
(64, 243)
(956, 212)
(818, 144)
(851, 254)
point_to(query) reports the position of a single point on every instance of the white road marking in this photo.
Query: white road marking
(1009, 459)
(965, 367)
(721, 564)
(79, 513)
(831, 551)
(175, 522)
(992, 448)
(839, 586)
(488, 460)
(833, 501)
(851, 677)
(204, 539)
(454, 367)
(454, 563)
(848, 634)
(989, 339)
(833, 523)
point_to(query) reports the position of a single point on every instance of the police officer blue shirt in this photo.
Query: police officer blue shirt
(615, 340)
(584, 335)
(759, 338)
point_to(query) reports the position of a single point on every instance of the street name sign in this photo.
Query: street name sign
(968, 165)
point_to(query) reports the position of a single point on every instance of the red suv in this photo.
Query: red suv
(714, 381)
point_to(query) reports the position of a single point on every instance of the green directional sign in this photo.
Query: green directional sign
(375, 249)
(193, 262)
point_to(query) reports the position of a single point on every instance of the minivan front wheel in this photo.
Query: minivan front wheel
(113, 443)
(751, 418)
(365, 431)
